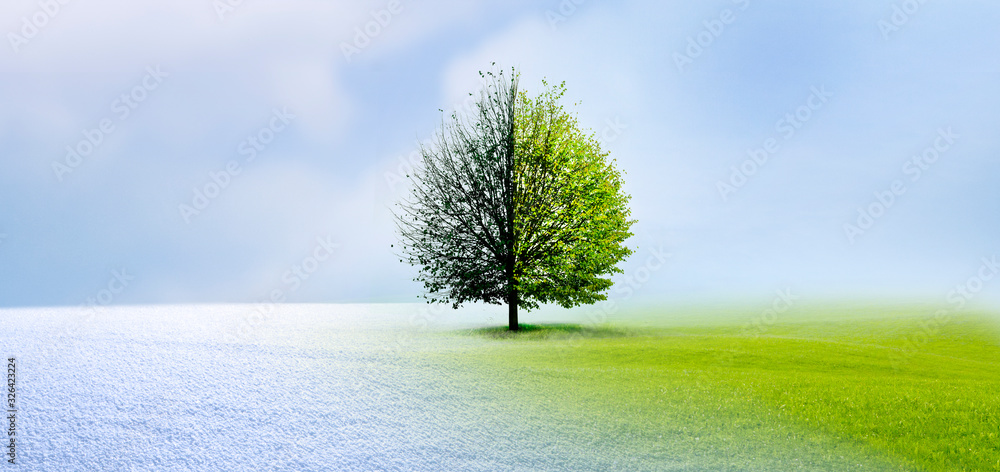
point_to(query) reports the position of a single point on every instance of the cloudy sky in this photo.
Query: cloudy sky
(203, 151)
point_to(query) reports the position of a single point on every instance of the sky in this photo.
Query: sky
(233, 151)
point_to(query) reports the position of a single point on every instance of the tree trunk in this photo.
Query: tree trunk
(510, 188)
(512, 312)
(512, 298)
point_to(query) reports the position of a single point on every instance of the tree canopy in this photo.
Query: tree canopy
(515, 205)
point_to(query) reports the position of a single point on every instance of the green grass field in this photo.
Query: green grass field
(816, 389)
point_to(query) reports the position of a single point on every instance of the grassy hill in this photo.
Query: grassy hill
(818, 389)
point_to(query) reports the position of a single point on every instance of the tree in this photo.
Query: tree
(515, 204)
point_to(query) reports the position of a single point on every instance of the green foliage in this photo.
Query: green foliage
(571, 216)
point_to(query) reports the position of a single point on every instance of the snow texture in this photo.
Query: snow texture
(253, 387)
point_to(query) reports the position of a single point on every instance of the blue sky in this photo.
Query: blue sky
(843, 93)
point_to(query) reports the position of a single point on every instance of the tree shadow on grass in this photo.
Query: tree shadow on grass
(549, 331)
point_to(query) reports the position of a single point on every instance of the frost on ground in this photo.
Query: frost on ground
(215, 387)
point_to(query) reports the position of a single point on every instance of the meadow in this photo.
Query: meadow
(402, 388)
(820, 389)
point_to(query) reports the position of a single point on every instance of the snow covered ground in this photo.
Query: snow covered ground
(255, 387)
